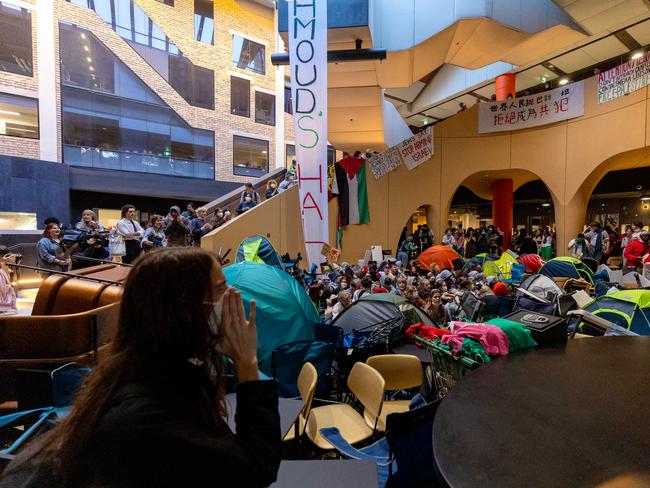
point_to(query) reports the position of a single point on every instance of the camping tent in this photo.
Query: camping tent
(284, 311)
(628, 308)
(567, 267)
(541, 286)
(380, 308)
(444, 256)
(258, 249)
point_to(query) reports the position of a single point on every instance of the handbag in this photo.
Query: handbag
(117, 245)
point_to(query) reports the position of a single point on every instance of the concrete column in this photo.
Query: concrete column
(502, 208)
(570, 220)
(279, 99)
(504, 85)
(47, 110)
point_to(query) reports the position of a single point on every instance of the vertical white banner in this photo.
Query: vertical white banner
(308, 63)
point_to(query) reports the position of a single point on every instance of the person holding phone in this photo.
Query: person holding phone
(152, 413)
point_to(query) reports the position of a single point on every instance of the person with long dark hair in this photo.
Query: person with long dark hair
(49, 255)
(152, 412)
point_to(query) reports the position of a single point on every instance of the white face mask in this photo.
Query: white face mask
(215, 317)
(344, 285)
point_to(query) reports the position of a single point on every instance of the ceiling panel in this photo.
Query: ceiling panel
(573, 61)
(408, 93)
(606, 48)
(486, 91)
(641, 32)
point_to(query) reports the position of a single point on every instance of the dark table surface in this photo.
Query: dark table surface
(422, 354)
(564, 415)
(287, 407)
(327, 474)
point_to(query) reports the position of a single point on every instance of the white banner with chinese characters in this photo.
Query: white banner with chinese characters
(417, 149)
(308, 63)
(624, 78)
(565, 102)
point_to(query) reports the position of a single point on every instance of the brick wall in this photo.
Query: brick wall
(24, 86)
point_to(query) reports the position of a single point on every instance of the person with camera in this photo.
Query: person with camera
(154, 236)
(88, 222)
(93, 244)
(152, 412)
(7, 292)
(49, 255)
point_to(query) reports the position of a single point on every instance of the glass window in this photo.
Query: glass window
(290, 155)
(194, 83)
(248, 55)
(18, 116)
(15, 40)
(288, 106)
(127, 127)
(204, 21)
(250, 156)
(264, 108)
(240, 96)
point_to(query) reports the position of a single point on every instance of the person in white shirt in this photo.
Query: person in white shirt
(132, 233)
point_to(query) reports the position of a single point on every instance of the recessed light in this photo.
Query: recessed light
(85, 48)
(91, 68)
(546, 204)
(563, 81)
(89, 59)
(83, 36)
(637, 55)
(7, 112)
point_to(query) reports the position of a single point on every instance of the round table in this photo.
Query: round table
(562, 415)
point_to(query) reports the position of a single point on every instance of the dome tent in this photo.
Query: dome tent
(284, 311)
(258, 249)
(567, 267)
(629, 309)
(444, 256)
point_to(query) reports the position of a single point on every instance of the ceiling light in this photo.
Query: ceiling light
(89, 59)
(91, 68)
(425, 121)
(8, 112)
(85, 48)
(563, 81)
(83, 36)
(637, 55)
(543, 79)
(546, 204)
(645, 199)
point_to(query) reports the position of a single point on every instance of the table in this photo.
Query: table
(287, 407)
(561, 415)
(327, 474)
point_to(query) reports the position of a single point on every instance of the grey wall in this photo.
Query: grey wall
(28, 185)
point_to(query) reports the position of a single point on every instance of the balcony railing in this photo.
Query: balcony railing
(92, 157)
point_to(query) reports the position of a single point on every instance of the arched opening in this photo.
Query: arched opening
(421, 217)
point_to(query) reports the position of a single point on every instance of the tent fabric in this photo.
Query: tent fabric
(375, 309)
(628, 308)
(443, 256)
(258, 249)
(567, 267)
(541, 286)
(533, 262)
(284, 311)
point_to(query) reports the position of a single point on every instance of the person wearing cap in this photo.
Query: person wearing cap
(177, 228)
(635, 251)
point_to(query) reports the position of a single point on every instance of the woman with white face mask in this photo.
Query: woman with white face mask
(152, 413)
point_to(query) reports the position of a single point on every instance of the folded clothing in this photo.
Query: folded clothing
(518, 335)
(424, 331)
(493, 339)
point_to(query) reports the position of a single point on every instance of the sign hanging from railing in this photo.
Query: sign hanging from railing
(624, 78)
(308, 64)
(562, 103)
(412, 152)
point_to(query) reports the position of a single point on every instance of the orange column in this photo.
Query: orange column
(504, 85)
(502, 209)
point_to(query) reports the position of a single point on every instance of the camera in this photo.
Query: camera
(157, 241)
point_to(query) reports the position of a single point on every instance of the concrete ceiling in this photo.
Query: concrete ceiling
(599, 16)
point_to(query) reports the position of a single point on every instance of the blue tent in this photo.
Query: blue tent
(284, 311)
(258, 249)
(567, 267)
(628, 308)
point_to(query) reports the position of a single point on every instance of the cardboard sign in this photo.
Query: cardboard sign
(417, 149)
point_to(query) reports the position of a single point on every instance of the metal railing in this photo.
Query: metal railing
(66, 273)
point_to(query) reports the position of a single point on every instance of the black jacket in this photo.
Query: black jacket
(162, 436)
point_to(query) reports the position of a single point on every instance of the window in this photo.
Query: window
(240, 96)
(248, 55)
(194, 83)
(113, 120)
(264, 108)
(250, 156)
(15, 40)
(288, 106)
(167, 2)
(204, 21)
(18, 116)
(290, 155)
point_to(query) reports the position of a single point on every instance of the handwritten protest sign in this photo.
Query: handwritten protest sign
(417, 149)
(624, 78)
(384, 163)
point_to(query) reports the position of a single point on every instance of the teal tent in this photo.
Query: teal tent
(629, 309)
(258, 249)
(284, 311)
(567, 267)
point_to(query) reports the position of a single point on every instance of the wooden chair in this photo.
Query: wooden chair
(367, 385)
(400, 372)
(307, 381)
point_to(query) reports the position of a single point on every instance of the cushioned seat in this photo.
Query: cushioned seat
(46, 296)
(110, 294)
(77, 295)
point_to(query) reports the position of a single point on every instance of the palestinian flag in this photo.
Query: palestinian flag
(352, 191)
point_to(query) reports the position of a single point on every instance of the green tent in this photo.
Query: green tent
(629, 309)
(567, 267)
(258, 249)
(284, 311)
